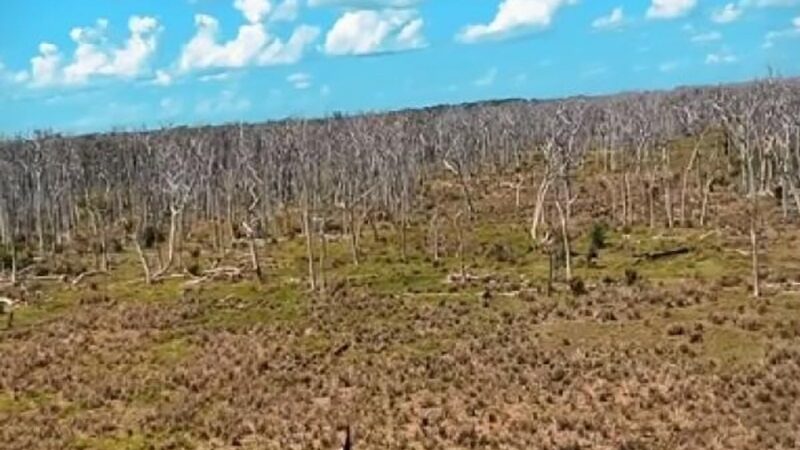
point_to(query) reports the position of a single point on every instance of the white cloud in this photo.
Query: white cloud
(222, 76)
(772, 36)
(45, 66)
(514, 17)
(364, 4)
(707, 37)
(722, 57)
(203, 50)
(769, 3)
(140, 46)
(670, 9)
(299, 80)
(289, 52)
(792, 32)
(162, 78)
(253, 10)
(488, 78)
(93, 55)
(363, 32)
(252, 45)
(732, 11)
(287, 11)
(612, 21)
(727, 14)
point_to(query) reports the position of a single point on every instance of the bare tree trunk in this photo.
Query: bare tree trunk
(566, 242)
(354, 236)
(462, 180)
(173, 229)
(754, 250)
(668, 204)
(541, 195)
(628, 207)
(461, 258)
(13, 261)
(795, 194)
(403, 235)
(549, 273)
(104, 249)
(434, 226)
(651, 205)
(142, 260)
(685, 179)
(752, 189)
(312, 276)
(179, 244)
(323, 253)
(706, 195)
(373, 224)
(251, 240)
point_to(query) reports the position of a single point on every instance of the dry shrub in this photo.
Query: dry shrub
(676, 329)
(631, 277)
(577, 287)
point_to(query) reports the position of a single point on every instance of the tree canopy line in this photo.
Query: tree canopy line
(251, 182)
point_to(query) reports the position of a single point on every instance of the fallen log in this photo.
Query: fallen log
(652, 256)
(6, 305)
(83, 275)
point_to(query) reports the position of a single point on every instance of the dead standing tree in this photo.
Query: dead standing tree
(743, 115)
(568, 133)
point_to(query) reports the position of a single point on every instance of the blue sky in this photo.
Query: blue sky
(94, 65)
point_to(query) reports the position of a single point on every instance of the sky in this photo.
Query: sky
(78, 66)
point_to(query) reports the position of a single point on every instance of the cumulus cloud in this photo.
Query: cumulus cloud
(44, 67)
(204, 50)
(94, 56)
(253, 44)
(291, 51)
(364, 32)
(253, 10)
(299, 80)
(727, 14)
(670, 9)
(514, 17)
(613, 20)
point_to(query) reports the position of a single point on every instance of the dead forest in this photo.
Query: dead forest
(613, 272)
(246, 183)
